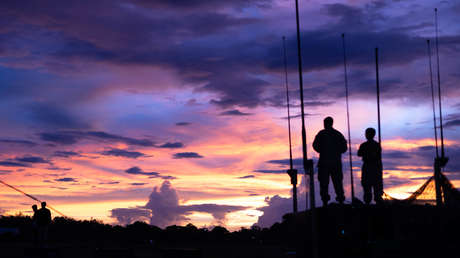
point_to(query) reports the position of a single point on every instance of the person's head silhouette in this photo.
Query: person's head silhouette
(328, 121)
(370, 133)
(43, 204)
(34, 208)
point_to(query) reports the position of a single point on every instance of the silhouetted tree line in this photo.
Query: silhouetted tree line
(352, 231)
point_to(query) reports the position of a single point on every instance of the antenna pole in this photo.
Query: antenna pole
(307, 164)
(348, 117)
(432, 99)
(378, 93)
(291, 172)
(439, 86)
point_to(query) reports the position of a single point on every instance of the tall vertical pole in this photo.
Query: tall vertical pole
(442, 161)
(307, 164)
(378, 108)
(378, 93)
(348, 118)
(439, 86)
(292, 172)
(432, 98)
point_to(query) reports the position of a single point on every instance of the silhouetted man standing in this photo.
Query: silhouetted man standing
(371, 171)
(43, 221)
(330, 144)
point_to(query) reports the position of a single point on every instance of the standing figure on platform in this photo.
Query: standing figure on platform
(330, 144)
(371, 172)
(43, 222)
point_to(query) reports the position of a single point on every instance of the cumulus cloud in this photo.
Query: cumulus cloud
(165, 210)
(139, 171)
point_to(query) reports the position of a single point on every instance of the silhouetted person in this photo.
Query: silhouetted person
(43, 221)
(330, 144)
(34, 224)
(371, 172)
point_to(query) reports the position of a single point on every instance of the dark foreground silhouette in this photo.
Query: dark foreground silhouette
(344, 231)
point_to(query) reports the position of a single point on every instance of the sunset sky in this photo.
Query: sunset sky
(173, 112)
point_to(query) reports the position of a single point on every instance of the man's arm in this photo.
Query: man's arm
(360, 151)
(343, 143)
(316, 144)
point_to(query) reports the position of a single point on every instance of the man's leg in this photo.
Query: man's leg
(337, 181)
(378, 190)
(323, 178)
(367, 194)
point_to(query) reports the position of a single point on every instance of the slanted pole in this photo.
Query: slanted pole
(307, 163)
(291, 172)
(348, 118)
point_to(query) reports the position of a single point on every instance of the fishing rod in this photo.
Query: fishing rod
(307, 164)
(439, 87)
(31, 197)
(348, 117)
(291, 172)
(432, 98)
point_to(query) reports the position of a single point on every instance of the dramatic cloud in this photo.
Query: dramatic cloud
(187, 155)
(165, 209)
(123, 153)
(172, 145)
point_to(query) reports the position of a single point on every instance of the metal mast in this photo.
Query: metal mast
(291, 172)
(307, 164)
(348, 117)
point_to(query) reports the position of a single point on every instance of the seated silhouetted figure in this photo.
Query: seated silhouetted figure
(43, 221)
(371, 172)
(330, 144)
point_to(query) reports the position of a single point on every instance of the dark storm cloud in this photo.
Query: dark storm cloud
(32, 159)
(66, 179)
(172, 145)
(139, 171)
(123, 153)
(72, 137)
(19, 142)
(187, 155)
(234, 112)
(248, 58)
